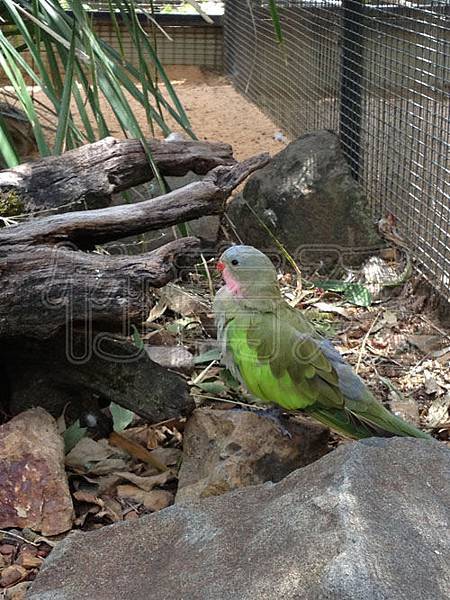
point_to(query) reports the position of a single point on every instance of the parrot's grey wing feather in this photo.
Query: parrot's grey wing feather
(350, 384)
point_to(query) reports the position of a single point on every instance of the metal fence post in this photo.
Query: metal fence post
(351, 83)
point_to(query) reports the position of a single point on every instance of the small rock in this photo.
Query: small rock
(12, 575)
(3, 561)
(228, 449)
(34, 492)
(176, 358)
(28, 558)
(18, 591)
(7, 549)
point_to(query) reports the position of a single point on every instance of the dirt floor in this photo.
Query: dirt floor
(218, 112)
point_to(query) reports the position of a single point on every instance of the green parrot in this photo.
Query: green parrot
(281, 359)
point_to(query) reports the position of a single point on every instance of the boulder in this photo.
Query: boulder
(368, 521)
(225, 450)
(308, 198)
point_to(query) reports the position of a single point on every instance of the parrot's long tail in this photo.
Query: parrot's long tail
(349, 424)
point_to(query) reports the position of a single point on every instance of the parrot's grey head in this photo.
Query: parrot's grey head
(248, 272)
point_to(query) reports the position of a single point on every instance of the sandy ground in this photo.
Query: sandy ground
(218, 112)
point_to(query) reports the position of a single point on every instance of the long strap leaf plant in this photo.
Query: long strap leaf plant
(54, 46)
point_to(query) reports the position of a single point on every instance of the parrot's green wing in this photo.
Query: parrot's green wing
(281, 360)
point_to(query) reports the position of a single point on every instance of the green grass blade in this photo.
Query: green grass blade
(64, 114)
(273, 8)
(9, 65)
(6, 146)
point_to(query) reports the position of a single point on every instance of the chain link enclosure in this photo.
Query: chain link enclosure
(379, 75)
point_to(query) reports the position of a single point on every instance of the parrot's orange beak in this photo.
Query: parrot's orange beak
(220, 266)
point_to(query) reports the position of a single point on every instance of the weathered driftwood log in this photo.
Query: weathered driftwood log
(87, 177)
(46, 282)
(57, 300)
(87, 372)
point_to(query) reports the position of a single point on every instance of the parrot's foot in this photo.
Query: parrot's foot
(274, 413)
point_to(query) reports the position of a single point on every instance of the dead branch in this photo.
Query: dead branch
(87, 177)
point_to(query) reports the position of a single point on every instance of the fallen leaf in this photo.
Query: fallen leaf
(438, 412)
(168, 456)
(12, 575)
(97, 458)
(146, 483)
(102, 484)
(212, 387)
(72, 435)
(332, 308)
(431, 386)
(114, 508)
(28, 558)
(355, 293)
(177, 358)
(122, 417)
(154, 500)
(182, 301)
(108, 465)
(157, 311)
(208, 356)
(83, 496)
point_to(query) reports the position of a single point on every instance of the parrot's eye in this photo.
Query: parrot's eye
(234, 262)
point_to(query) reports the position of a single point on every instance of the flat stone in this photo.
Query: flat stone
(33, 485)
(225, 450)
(176, 358)
(368, 521)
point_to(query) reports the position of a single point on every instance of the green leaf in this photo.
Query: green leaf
(212, 387)
(208, 356)
(7, 148)
(229, 380)
(182, 324)
(136, 337)
(47, 32)
(358, 294)
(276, 20)
(355, 293)
(73, 435)
(64, 114)
(121, 416)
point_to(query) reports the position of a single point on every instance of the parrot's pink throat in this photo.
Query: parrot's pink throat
(232, 285)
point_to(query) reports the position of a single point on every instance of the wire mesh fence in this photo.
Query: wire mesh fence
(379, 75)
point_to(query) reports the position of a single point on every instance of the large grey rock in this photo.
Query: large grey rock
(308, 198)
(366, 522)
(225, 450)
